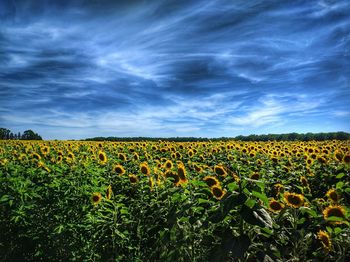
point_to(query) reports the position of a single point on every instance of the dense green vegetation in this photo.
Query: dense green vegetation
(167, 201)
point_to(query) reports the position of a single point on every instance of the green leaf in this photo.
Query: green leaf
(335, 219)
(339, 185)
(250, 203)
(232, 186)
(262, 197)
(337, 230)
(309, 211)
(340, 175)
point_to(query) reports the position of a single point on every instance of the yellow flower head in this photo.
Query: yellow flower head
(145, 169)
(334, 211)
(220, 170)
(96, 198)
(332, 195)
(275, 206)
(217, 192)
(294, 200)
(211, 181)
(133, 179)
(102, 157)
(109, 192)
(119, 169)
(325, 240)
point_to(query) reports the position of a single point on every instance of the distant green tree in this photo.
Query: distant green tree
(30, 135)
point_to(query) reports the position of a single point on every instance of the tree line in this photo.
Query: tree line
(268, 137)
(6, 134)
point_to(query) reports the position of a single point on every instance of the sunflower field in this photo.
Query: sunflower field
(170, 201)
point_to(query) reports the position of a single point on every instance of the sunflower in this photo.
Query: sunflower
(119, 169)
(102, 157)
(181, 172)
(325, 240)
(198, 168)
(338, 155)
(145, 169)
(278, 187)
(322, 159)
(168, 164)
(217, 192)
(332, 195)
(334, 211)
(45, 150)
(211, 181)
(151, 183)
(175, 176)
(303, 181)
(109, 192)
(70, 156)
(220, 170)
(96, 198)
(255, 176)
(275, 206)
(122, 156)
(36, 156)
(294, 200)
(346, 158)
(136, 156)
(133, 179)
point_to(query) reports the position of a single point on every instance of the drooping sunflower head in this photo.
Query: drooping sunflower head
(70, 156)
(144, 169)
(294, 200)
(332, 195)
(346, 158)
(338, 155)
(96, 197)
(133, 179)
(151, 183)
(334, 211)
(211, 181)
(181, 172)
(220, 170)
(303, 181)
(122, 156)
(217, 192)
(45, 150)
(36, 156)
(109, 192)
(119, 170)
(278, 188)
(174, 176)
(255, 176)
(102, 157)
(325, 240)
(136, 156)
(275, 206)
(168, 164)
(321, 159)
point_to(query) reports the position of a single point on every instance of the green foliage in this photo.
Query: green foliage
(47, 211)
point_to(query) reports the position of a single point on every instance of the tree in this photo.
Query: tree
(30, 135)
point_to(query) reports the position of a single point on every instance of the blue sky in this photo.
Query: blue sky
(77, 69)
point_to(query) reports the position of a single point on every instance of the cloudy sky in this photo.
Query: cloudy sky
(77, 69)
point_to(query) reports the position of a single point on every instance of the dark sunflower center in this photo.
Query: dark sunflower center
(295, 200)
(275, 205)
(217, 192)
(336, 212)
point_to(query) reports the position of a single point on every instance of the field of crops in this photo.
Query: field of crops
(163, 201)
